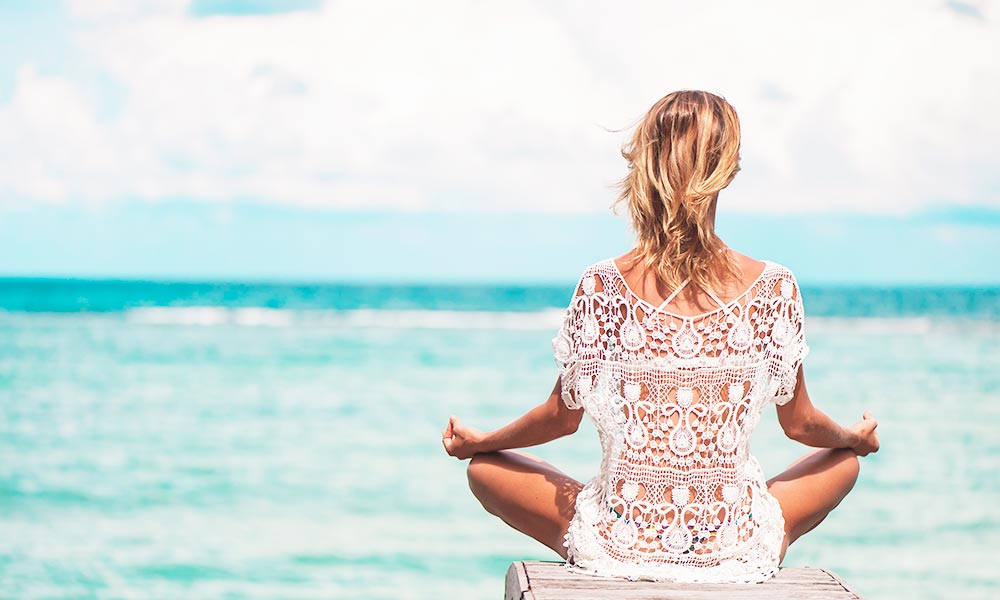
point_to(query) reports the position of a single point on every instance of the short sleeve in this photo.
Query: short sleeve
(564, 349)
(788, 337)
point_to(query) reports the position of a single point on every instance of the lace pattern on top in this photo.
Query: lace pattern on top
(674, 400)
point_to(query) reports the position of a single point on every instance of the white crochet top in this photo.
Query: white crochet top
(674, 399)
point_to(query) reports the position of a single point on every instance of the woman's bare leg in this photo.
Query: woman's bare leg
(527, 493)
(811, 487)
(537, 499)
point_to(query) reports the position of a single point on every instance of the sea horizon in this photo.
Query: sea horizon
(86, 294)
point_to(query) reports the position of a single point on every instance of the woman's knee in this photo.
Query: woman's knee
(842, 462)
(844, 468)
(848, 464)
(482, 473)
(476, 471)
(481, 470)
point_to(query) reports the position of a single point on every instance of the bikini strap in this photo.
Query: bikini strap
(716, 298)
(673, 295)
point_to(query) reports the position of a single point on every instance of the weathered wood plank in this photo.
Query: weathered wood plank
(841, 581)
(548, 580)
(673, 595)
(516, 584)
(556, 572)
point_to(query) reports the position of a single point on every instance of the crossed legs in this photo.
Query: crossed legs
(537, 499)
(811, 487)
(527, 493)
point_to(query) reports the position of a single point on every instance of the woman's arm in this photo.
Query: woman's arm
(550, 420)
(803, 422)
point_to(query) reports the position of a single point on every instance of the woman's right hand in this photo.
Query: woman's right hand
(866, 436)
(459, 440)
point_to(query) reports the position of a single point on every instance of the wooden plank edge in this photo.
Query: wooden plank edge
(843, 584)
(518, 583)
(516, 586)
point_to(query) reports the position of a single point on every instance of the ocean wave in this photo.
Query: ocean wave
(360, 318)
(538, 320)
(888, 326)
(451, 319)
(210, 315)
(547, 319)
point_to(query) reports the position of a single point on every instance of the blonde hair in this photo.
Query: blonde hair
(681, 154)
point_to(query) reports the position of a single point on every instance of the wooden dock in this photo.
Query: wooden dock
(542, 580)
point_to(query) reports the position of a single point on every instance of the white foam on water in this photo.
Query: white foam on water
(169, 315)
(271, 317)
(453, 319)
(897, 326)
(361, 318)
(538, 320)
(210, 315)
(870, 325)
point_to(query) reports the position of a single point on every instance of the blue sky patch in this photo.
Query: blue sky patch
(206, 8)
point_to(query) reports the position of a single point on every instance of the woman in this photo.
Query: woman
(673, 350)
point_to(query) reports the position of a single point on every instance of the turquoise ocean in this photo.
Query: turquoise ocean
(248, 440)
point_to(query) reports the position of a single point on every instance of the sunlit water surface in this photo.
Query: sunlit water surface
(269, 442)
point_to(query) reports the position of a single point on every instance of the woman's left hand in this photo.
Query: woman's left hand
(461, 441)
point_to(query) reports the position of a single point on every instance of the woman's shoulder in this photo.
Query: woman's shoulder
(765, 267)
(765, 278)
(604, 265)
(781, 282)
(596, 275)
(779, 272)
(778, 268)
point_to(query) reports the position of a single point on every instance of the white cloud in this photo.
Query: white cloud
(450, 105)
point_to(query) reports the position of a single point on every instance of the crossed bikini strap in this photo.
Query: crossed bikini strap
(673, 295)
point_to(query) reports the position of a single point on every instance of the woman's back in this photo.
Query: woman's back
(675, 394)
(675, 399)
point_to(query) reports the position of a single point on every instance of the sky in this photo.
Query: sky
(475, 141)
